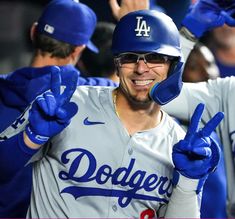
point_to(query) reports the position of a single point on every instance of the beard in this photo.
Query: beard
(134, 99)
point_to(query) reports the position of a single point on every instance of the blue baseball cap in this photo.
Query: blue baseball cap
(68, 21)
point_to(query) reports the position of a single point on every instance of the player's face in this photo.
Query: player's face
(139, 72)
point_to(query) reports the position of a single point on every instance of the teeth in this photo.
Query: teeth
(145, 82)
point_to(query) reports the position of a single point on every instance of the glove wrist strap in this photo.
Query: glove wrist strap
(37, 139)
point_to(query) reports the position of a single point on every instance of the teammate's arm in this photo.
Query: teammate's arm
(14, 155)
(67, 70)
(127, 6)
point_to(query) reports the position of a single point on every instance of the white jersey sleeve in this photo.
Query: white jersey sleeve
(186, 46)
(182, 197)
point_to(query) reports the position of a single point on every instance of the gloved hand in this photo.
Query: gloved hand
(198, 153)
(205, 15)
(52, 112)
(229, 8)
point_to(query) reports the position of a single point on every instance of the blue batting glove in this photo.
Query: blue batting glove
(198, 153)
(229, 15)
(203, 16)
(229, 7)
(52, 112)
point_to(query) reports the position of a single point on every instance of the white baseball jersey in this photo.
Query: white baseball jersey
(95, 169)
(218, 95)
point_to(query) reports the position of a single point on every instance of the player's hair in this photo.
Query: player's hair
(102, 63)
(55, 47)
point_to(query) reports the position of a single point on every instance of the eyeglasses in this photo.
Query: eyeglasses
(151, 59)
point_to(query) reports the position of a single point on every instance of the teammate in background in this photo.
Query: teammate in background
(119, 10)
(221, 42)
(102, 62)
(54, 45)
(120, 156)
(217, 94)
(200, 65)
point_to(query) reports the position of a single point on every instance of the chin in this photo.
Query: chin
(141, 100)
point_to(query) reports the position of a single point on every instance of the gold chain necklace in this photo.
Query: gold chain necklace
(115, 102)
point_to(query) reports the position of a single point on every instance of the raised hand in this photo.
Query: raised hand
(127, 6)
(197, 154)
(205, 15)
(229, 8)
(52, 111)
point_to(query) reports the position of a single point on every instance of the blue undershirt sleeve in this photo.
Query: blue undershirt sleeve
(14, 155)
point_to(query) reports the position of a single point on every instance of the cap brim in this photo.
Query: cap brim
(92, 47)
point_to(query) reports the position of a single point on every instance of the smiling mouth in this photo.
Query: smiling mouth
(142, 82)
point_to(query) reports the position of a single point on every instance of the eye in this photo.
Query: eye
(128, 58)
(155, 58)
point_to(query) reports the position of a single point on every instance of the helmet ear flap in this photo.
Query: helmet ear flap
(170, 88)
(173, 66)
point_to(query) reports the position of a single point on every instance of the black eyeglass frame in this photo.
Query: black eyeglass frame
(156, 59)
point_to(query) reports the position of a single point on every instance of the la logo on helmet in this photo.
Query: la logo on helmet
(142, 29)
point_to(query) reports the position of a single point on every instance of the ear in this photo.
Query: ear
(76, 54)
(33, 30)
(78, 51)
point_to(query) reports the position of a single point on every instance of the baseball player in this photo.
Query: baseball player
(218, 96)
(120, 155)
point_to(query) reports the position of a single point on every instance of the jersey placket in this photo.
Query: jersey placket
(115, 209)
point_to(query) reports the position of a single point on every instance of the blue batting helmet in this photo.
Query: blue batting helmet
(152, 31)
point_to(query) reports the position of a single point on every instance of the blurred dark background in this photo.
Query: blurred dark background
(17, 16)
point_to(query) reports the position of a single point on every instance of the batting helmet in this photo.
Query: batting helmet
(152, 31)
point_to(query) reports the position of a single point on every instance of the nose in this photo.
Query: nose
(141, 67)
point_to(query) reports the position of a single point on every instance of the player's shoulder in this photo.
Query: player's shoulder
(222, 86)
(219, 83)
(94, 95)
(88, 89)
(172, 126)
(83, 91)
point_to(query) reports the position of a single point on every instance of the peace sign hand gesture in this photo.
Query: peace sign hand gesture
(198, 153)
(52, 112)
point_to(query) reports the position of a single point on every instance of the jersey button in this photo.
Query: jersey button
(130, 151)
(114, 207)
